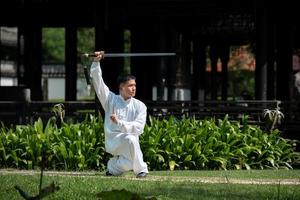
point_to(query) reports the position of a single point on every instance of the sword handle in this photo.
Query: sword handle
(88, 55)
(86, 74)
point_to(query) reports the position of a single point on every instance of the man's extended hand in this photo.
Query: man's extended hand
(99, 55)
(114, 117)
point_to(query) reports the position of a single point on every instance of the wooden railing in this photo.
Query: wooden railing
(22, 112)
(207, 109)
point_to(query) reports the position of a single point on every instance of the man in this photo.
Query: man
(124, 121)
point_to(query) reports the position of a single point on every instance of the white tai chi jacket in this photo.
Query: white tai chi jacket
(131, 121)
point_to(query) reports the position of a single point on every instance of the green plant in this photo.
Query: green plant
(214, 144)
(168, 144)
(59, 111)
(71, 147)
(274, 116)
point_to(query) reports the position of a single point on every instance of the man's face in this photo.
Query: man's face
(128, 89)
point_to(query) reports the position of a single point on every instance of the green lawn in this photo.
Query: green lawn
(254, 184)
(271, 174)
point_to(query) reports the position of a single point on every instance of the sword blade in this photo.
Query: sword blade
(137, 54)
(111, 55)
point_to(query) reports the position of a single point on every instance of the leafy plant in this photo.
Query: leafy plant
(71, 147)
(215, 144)
(59, 111)
(168, 144)
(273, 116)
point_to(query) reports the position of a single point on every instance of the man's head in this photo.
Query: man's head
(127, 86)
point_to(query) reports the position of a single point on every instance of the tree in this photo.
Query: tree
(53, 45)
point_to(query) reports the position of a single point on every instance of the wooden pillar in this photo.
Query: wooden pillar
(32, 35)
(214, 51)
(199, 66)
(71, 63)
(284, 63)
(261, 53)
(224, 54)
(100, 36)
(101, 29)
(180, 73)
(109, 38)
(172, 68)
(161, 79)
(271, 65)
(144, 38)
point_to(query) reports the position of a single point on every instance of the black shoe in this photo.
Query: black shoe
(107, 173)
(141, 175)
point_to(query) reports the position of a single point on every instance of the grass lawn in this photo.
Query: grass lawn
(252, 184)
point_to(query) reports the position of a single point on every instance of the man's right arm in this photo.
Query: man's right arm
(101, 89)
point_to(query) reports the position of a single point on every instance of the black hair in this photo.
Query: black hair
(124, 78)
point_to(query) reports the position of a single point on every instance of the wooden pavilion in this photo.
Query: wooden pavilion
(185, 27)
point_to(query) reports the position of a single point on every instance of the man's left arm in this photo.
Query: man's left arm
(135, 127)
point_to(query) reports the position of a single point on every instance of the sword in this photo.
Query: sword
(111, 55)
(115, 55)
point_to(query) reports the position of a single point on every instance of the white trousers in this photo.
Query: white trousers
(128, 156)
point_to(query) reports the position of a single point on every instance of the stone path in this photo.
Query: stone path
(150, 177)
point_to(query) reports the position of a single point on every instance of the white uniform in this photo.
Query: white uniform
(122, 139)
